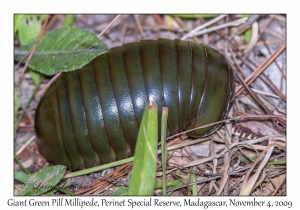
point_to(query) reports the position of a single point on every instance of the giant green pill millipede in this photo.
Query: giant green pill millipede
(92, 115)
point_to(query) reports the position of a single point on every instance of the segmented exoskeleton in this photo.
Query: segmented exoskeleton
(92, 115)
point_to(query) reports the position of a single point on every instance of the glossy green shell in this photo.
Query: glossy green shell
(91, 116)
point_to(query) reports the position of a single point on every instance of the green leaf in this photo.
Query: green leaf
(37, 77)
(40, 17)
(164, 148)
(28, 29)
(246, 160)
(121, 191)
(245, 15)
(64, 49)
(17, 19)
(20, 176)
(278, 162)
(17, 105)
(172, 183)
(196, 15)
(142, 181)
(69, 19)
(27, 17)
(62, 190)
(182, 176)
(43, 180)
(248, 34)
(193, 179)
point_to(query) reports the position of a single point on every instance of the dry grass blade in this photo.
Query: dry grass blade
(225, 25)
(138, 23)
(192, 32)
(225, 179)
(214, 167)
(254, 37)
(264, 93)
(263, 176)
(261, 43)
(247, 185)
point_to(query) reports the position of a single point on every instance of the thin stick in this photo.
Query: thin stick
(53, 79)
(248, 183)
(139, 26)
(109, 25)
(25, 145)
(158, 19)
(51, 22)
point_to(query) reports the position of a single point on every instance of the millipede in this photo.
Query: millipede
(91, 116)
